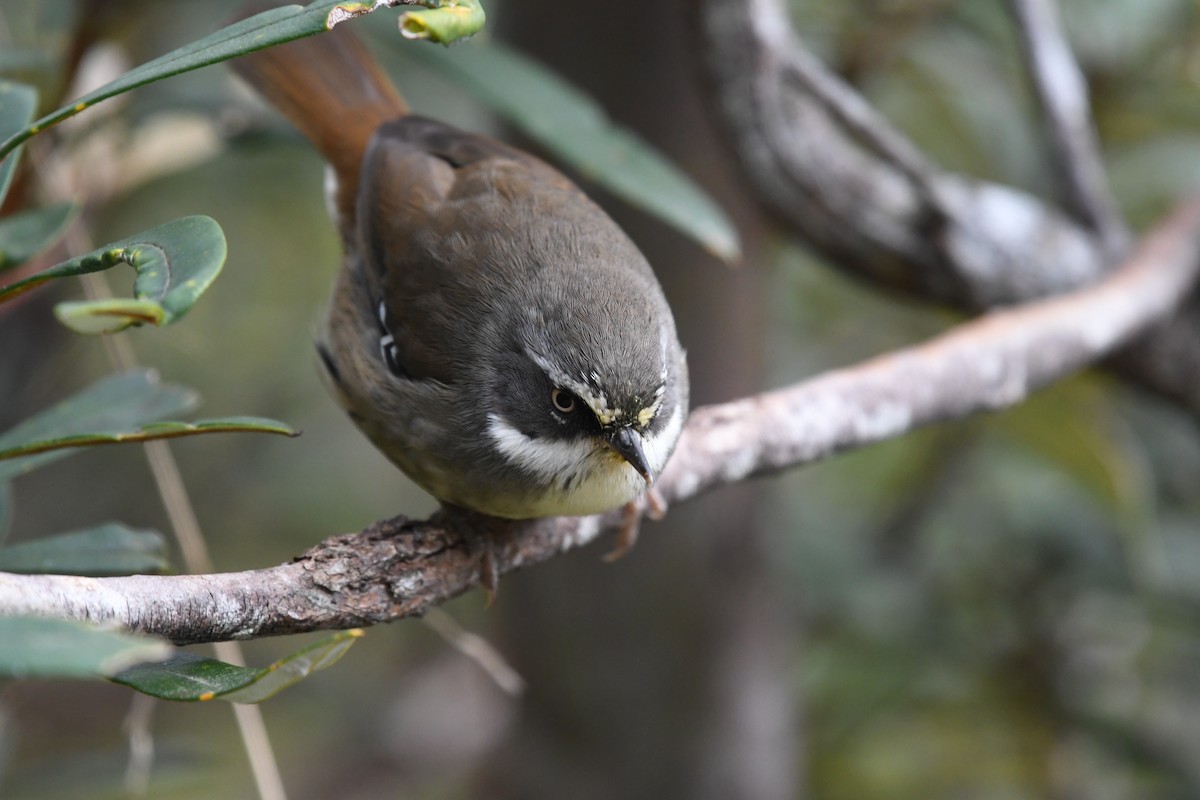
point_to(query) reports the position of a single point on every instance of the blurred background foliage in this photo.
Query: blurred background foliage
(1006, 607)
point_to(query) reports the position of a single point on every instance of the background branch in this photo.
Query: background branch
(1061, 91)
(399, 568)
(947, 238)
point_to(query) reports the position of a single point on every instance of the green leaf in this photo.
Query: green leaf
(572, 126)
(444, 22)
(146, 433)
(191, 677)
(174, 263)
(270, 27)
(110, 549)
(24, 235)
(18, 102)
(55, 648)
(114, 404)
(110, 315)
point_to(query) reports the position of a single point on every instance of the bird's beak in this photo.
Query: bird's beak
(628, 444)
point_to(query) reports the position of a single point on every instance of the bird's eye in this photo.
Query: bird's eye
(564, 402)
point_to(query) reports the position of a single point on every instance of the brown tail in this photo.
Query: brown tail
(333, 92)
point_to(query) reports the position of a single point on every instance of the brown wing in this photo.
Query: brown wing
(442, 218)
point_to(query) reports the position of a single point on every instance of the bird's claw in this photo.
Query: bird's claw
(489, 572)
(654, 507)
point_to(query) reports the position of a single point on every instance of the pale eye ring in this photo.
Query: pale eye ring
(563, 401)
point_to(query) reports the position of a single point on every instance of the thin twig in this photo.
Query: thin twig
(141, 744)
(1062, 93)
(477, 649)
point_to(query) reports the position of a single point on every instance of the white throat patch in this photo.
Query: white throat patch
(549, 460)
(583, 476)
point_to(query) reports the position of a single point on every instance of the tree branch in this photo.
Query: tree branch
(844, 181)
(1062, 93)
(399, 568)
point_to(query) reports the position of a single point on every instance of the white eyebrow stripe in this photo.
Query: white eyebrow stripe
(597, 401)
(555, 374)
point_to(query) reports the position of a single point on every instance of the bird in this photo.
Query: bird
(491, 330)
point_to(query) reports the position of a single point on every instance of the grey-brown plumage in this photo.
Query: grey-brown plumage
(492, 331)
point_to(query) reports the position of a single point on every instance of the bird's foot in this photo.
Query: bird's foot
(656, 504)
(654, 507)
(627, 534)
(479, 531)
(489, 571)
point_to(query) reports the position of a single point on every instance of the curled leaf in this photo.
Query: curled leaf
(444, 21)
(109, 315)
(175, 263)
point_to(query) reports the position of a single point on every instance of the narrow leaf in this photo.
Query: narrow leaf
(271, 27)
(24, 235)
(114, 404)
(572, 126)
(149, 432)
(254, 33)
(191, 677)
(55, 648)
(174, 262)
(445, 22)
(111, 549)
(18, 103)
